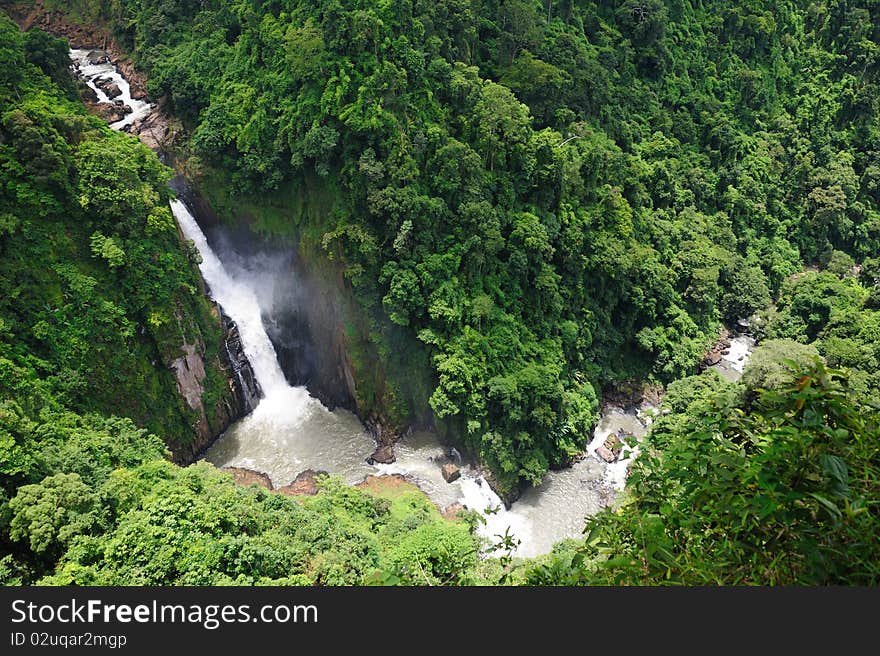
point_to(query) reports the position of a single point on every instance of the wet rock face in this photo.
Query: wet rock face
(109, 87)
(97, 57)
(190, 372)
(450, 472)
(612, 447)
(308, 338)
(154, 131)
(110, 113)
(383, 455)
(719, 348)
(247, 389)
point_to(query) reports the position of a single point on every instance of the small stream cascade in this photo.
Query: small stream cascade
(94, 67)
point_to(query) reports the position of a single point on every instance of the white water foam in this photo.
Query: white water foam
(91, 72)
(741, 348)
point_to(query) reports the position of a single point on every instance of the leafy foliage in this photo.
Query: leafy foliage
(781, 492)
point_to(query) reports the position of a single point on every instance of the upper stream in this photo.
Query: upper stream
(92, 73)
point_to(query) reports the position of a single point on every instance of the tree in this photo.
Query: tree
(11, 54)
(774, 361)
(49, 515)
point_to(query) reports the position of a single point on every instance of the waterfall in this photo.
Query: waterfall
(289, 431)
(239, 301)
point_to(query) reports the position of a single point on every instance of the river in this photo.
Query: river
(92, 72)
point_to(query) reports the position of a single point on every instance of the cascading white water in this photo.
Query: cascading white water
(240, 302)
(290, 431)
(733, 362)
(91, 72)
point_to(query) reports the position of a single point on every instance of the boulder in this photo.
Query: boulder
(154, 130)
(110, 113)
(89, 95)
(451, 511)
(97, 57)
(384, 455)
(712, 358)
(305, 484)
(108, 86)
(450, 472)
(112, 90)
(606, 454)
(614, 443)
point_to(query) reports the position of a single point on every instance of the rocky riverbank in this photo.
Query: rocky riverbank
(157, 130)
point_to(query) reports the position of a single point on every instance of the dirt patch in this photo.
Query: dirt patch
(244, 476)
(387, 485)
(305, 484)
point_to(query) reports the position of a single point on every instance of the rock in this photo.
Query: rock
(243, 476)
(385, 482)
(508, 494)
(108, 112)
(112, 90)
(89, 95)
(451, 511)
(247, 389)
(384, 455)
(712, 358)
(154, 130)
(606, 454)
(450, 472)
(305, 484)
(97, 57)
(108, 86)
(614, 443)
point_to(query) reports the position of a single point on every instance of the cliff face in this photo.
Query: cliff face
(323, 335)
(235, 390)
(346, 366)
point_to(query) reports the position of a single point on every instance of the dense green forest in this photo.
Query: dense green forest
(533, 202)
(97, 295)
(553, 197)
